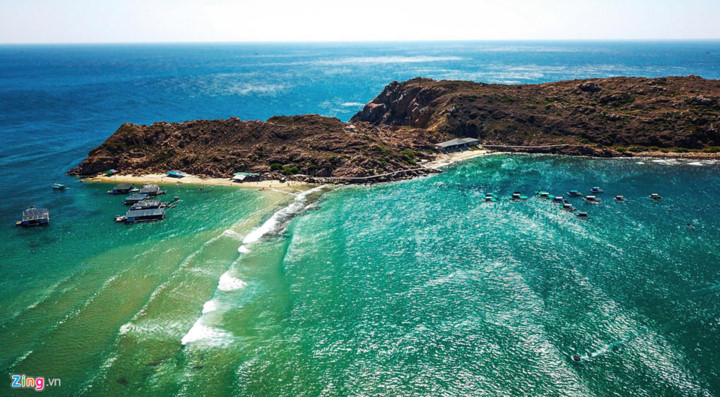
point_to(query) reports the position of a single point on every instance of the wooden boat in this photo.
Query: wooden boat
(58, 186)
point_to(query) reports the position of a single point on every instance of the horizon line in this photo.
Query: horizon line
(599, 40)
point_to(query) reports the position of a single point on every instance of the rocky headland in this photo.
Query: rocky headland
(396, 132)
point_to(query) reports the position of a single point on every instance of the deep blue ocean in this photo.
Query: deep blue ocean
(415, 287)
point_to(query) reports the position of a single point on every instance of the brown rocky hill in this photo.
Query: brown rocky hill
(309, 144)
(400, 127)
(666, 112)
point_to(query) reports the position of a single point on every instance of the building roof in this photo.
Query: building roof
(148, 203)
(147, 212)
(32, 214)
(137, 196)
(457, 142)
(123, 186)
(149, 188)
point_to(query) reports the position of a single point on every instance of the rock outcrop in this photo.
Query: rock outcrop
(668, 112)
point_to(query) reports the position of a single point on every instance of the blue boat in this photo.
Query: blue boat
(176, 174)
(596, 190)
(574, 193)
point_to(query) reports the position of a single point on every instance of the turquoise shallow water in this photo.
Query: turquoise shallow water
(416, 287)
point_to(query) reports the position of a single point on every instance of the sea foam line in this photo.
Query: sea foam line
(278, 219)
(201, 331)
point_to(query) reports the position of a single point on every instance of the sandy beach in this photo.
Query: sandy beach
(445, 159)
(162, 179)
(289, 186)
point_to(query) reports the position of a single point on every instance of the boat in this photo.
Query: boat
(58, 186)
(568, 207)
(176, 174)
(151, 190)
(517, 196)
(139, 216)
(110, 172)
(147, 205)
(592, 200)
(491, 197)
(574, 193)
(620, 199)
(34, 217)
(135, 198)
(582, 215)
(544, 195)
(655, 196)
(596, 190)
(123, 188)
(558, 199)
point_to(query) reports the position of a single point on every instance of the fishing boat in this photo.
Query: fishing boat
(58, 186)
(517, 196)
(139, 216)
(147, 205)
(558, 199)
(491, 197)
(620, 199)
(122, 188)
(655, 196)
(176, 174)
(568, 207)
(596, 190)
(574, 193)
(592, 200)
(582, 215)
(135, 198)
(34, 217)
(151, 190)
(543, 195)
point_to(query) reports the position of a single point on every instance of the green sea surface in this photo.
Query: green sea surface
(413, 287)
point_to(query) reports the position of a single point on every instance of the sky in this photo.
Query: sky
(127, 21)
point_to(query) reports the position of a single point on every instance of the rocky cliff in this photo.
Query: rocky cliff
(668, 112)
(399, 128)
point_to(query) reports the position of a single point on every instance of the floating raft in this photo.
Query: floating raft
(138, 216)
(34, 217)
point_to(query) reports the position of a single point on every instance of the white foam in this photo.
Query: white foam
(243, 249)
(229, 283)
(276, 220)
(696, 163)
(206, 334)
(233, 234)
(352, 104)
(209, 306)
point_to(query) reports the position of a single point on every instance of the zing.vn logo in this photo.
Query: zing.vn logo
(37, 383)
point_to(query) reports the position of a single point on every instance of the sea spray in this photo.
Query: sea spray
(227, 282)
(279, 219)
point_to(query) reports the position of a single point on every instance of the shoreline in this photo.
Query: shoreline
(294, 186)
(289, 186)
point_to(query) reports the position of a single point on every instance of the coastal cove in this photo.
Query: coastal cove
(408, 285)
